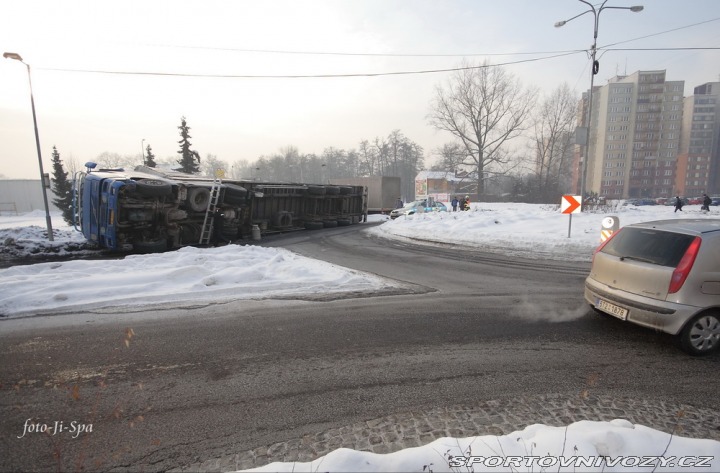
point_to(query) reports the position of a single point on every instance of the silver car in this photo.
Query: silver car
(663, 275)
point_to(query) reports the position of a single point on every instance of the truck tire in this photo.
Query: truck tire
(332, 190)
(330, 223)
(198, 199)
(344, 222)
(235, 195)
(314, 225)
(153, 188)
(157, 246)
(345, 190)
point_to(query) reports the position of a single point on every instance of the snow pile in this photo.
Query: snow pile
(582, 446)
(188, 275)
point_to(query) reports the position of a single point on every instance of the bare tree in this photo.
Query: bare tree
(484, 107)
(553, 141)
(211, 164)
(451, 156)
(114, 160)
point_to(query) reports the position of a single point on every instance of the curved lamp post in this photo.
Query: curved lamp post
(37, 143)
(593, 70)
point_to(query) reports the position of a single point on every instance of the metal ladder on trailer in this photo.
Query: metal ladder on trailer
(209, 222)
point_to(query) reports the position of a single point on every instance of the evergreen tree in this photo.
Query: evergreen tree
(189, 160)
(62, 188)
(150, 158)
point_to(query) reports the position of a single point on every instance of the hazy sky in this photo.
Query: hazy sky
(238, 118)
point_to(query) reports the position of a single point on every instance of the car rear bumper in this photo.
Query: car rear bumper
(660, 315)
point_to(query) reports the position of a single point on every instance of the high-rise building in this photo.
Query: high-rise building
(635, 136)
(699, 159)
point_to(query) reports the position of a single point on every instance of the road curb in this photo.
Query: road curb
(498, 417)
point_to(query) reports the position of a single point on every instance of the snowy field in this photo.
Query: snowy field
(247, 271)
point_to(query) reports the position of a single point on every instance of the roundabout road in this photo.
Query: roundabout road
(194, 388)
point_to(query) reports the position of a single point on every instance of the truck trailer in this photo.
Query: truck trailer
(150, 210)
(383, 191)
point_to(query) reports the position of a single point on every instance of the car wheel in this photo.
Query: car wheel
(701, 335)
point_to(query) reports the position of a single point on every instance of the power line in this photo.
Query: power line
(306, 76)
(362, 74)
(662, 32)
(337, 53)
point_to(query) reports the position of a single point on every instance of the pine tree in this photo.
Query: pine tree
(150, 158)
(188, 157)
(62, 188)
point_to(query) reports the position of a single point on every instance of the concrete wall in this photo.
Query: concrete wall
(23, 195)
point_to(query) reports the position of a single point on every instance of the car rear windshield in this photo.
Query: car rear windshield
(648, 245)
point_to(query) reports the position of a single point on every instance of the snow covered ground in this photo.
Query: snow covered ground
(249, 271)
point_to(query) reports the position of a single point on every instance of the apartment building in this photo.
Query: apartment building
(635, 136)
(699, 158)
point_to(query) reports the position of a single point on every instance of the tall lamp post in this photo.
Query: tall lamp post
(593, 70)
(142, 149)
(17, 57)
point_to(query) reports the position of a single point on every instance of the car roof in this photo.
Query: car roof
(693, 226)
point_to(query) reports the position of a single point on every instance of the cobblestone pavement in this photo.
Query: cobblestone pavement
(413, 429)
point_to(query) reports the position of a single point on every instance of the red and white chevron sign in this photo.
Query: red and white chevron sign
(570, 204)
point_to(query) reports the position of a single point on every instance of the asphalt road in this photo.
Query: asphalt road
(169, 388)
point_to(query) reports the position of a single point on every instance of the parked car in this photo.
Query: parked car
(640, 202)
(695, 201)
(663, 275)
(413, 207)
(715, 200)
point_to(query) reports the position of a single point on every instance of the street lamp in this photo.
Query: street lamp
(37, 143)
(593, 70)
(142, 150)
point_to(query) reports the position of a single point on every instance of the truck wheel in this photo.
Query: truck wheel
(157, 246)
(331, 190)
(153, 188)
(235, 195)
(344, 222)
(330, 223)
(198, 199)
(314, 225)
(316, 190)
(345, 190)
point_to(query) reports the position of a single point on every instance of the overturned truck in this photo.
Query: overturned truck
(149, 210)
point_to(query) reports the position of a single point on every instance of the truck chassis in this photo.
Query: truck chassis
(149, 210)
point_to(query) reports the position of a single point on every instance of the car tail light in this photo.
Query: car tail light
(683, 268)
(602, 245)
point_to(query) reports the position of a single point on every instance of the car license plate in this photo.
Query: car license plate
(612, 309)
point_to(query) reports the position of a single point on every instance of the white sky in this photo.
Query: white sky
(232, 272)
(86, 114)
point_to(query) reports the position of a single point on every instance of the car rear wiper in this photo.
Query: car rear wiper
(635, 258)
